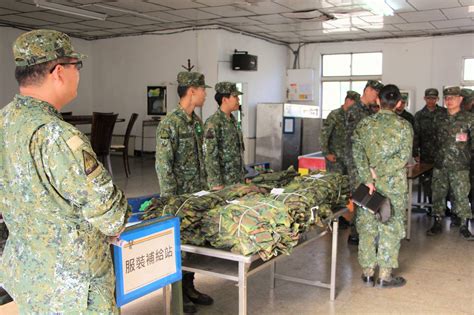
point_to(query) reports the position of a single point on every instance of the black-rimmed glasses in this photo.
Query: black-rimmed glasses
(77, 64)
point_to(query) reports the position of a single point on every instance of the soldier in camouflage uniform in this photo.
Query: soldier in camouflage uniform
(223, 141)
(58, 201)
(354, 115)
(333, 135)
(382, 145)
(424, 148)
(453, 139)
(467, 105)
(180, 162)
(403, 113)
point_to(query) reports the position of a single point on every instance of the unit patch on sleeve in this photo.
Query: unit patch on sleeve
(90, 163)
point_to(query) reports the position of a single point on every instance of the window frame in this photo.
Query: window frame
(463, 69)
(350, 78)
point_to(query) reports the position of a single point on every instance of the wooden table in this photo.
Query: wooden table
(413, 172)
(83, 119)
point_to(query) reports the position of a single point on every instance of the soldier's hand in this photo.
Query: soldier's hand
(331, 157)
(217, 187)
(371, 188)
(372, 172)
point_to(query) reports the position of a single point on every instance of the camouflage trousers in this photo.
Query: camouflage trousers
(458, 182)
(379, 243)
(336, 167)
(101, 300)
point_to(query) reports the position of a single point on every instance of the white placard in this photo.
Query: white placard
(147, 259)
(201, 193)
(300, 110)
(277, 191)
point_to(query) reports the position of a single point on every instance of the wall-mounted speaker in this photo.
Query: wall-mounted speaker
(244, 61)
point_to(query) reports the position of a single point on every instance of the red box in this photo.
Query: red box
(312, 161)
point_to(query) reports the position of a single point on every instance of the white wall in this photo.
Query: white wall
(411, 63)
(266, 85)
(8, 86)
(124, 66)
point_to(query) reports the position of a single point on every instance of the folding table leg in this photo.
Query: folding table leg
(272, 274)
(409, 205)
(242, 288)
(335, 229)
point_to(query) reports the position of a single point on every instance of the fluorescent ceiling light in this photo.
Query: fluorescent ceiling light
(131, 12)
(70, 10)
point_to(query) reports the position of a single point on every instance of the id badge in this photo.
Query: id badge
(461, 137)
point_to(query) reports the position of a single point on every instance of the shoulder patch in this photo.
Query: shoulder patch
(74, 143)
(90, 163)
(164, 134)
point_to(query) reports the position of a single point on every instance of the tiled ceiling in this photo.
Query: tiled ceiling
(284, 21)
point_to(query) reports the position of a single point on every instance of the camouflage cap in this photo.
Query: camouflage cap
(431, 92)
(353, 95)
(227, 88)
(467, 93)
(452, 90)
(376, 85)
(404, 96)
(186, 78)
(41, 46)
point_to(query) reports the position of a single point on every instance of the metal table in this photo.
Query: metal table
(148, 123)
(235, 267)
(413, 173)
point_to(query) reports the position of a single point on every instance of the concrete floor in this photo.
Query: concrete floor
(439, 272)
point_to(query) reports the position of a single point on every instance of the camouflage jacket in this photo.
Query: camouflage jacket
(333, 135)
(453, 139)
(425, 129)
(179, 160)
(408, 116)
(354, 115)
(382, 142)
(223, 150)
(59, 205)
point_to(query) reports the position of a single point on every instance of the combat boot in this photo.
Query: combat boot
(194, 295)
(436, 228)
(464, 230)
(387, 280)
(455, 220)
(188, 305)
(368, 277)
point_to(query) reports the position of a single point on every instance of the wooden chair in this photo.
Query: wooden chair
(124, 147)
(101, 136)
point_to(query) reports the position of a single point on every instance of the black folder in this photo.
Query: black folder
(375, 203)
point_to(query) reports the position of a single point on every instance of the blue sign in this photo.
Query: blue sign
(147, 258)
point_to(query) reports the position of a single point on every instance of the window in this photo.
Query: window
(343, 72)
(468, 70)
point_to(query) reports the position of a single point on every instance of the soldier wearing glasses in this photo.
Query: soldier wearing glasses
(58, 201)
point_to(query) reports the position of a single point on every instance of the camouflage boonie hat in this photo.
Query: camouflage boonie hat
(376, 85)
(227, 88)
(452, 90)
(41, 46)
(353, 95)
(431, 92)
(186, 78)
(404, 96)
